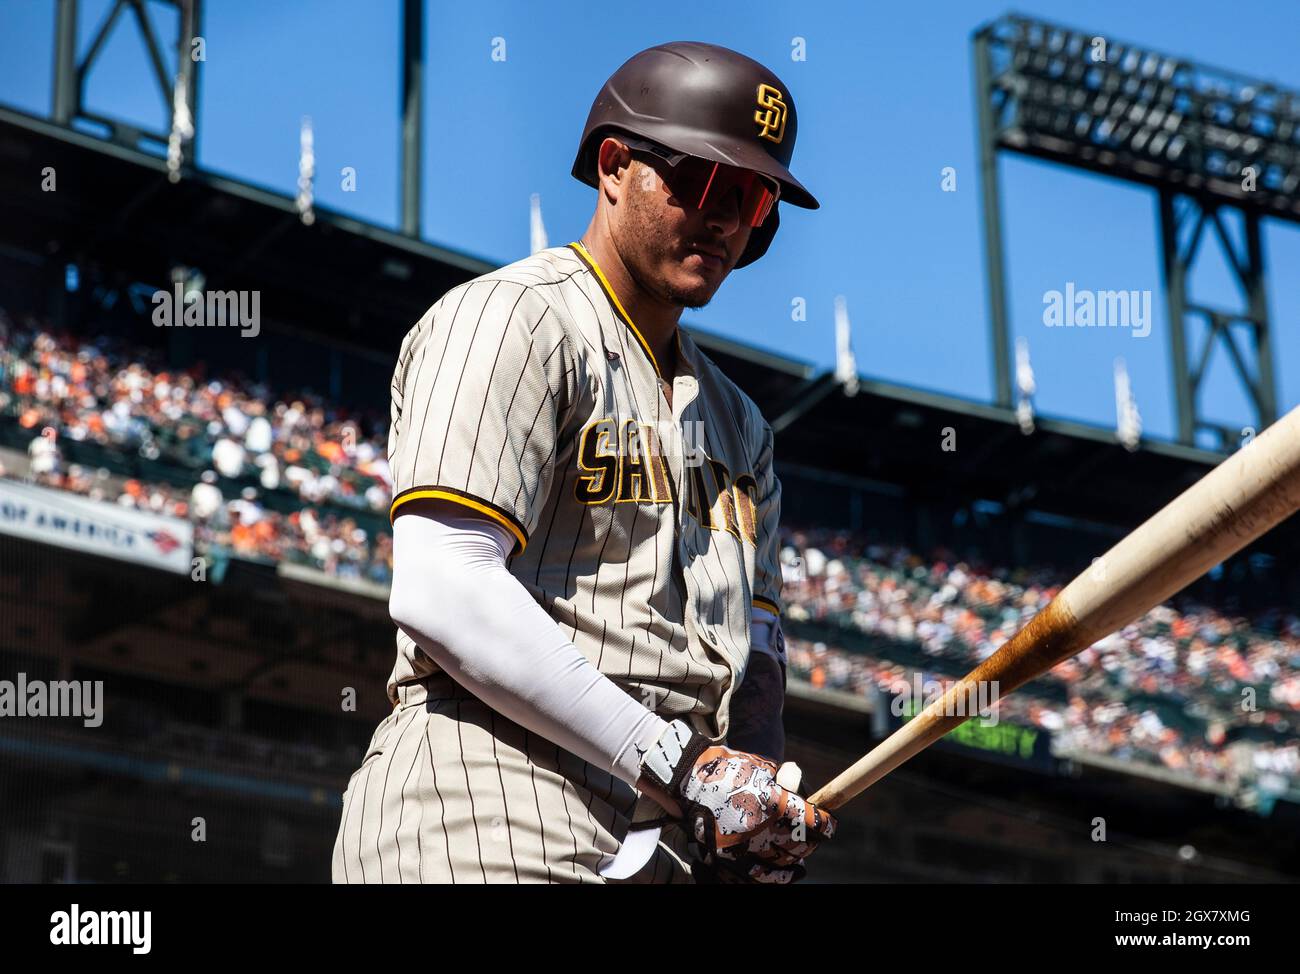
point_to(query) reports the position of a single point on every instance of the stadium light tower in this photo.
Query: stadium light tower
(72, 73)
(412, 114)
(1208, 141)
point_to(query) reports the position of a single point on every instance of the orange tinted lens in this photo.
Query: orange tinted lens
(691, 180)
(698, 181)
(756, 197)
(758, 203)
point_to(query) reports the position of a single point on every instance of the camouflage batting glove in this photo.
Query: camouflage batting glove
(748, 827)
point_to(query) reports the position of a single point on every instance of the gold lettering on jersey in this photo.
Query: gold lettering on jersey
(724, 506)
(719, 503)
(696, 495)
(633, 478)
(661, 485)
(771, 113)
(745, 496)
(621, 462)
(599, 465)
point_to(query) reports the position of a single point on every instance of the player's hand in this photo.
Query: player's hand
(748, 825)
(752, 870)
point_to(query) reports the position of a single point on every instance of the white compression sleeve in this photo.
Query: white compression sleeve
(454, 596)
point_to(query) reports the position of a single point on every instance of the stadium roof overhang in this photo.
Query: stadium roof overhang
(356, 282)
(351, 280)
(895, 435)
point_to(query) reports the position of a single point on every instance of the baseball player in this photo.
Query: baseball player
(590, 666)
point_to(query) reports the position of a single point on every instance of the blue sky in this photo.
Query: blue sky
(885, 103)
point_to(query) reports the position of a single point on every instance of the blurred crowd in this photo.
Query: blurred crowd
(94, 391)
(237, 441)
(241, 527)
(1187, 687)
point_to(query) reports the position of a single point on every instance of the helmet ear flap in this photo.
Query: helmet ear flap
(761, 238)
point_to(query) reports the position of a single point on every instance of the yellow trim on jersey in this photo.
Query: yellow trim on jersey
(771, 607)
(474, 505)
(618, 305)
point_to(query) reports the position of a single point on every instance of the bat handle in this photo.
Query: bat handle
(869, 769)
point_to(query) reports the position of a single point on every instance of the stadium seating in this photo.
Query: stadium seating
(271, 479)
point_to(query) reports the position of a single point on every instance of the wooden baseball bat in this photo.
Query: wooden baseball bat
(1250, 492)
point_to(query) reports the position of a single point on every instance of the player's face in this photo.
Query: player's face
(681, 253)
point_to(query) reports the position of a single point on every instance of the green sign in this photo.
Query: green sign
(1007, 740)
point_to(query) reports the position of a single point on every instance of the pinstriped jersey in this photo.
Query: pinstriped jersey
(646, 530)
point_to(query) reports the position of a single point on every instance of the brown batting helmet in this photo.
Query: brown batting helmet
(705, 101)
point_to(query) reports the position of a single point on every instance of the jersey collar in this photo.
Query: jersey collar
(622, 314)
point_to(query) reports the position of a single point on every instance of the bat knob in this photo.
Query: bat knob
(790, 776)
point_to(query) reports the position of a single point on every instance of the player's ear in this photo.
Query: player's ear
(615, 167)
